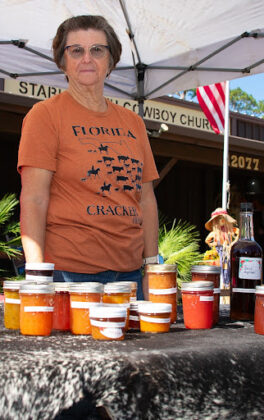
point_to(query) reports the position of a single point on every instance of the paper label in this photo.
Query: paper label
(10, 300)
(206, 298)
(241, 290)
(105, 324)
(133, 318)
(163, 291)
(250, 268)
(83, 305)
(154, 320)
(217, 290)
(112, 332)
(38, 308)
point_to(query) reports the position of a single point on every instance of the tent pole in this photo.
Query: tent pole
(225, 186)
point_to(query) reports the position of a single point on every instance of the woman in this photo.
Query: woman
(87, 202)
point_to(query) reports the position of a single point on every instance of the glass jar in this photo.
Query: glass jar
(162, 282)
(83, 296)
(197, 304)
(11, 304)
(35, 270)
(259, 310)
(61, 313)
(134, 323)
(36, 309)
(155, 317)
(209, 273)
(108, 323)
(118, 293)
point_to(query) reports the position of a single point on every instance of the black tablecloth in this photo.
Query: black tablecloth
(184, 374)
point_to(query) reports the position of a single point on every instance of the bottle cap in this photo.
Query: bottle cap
(246, 207)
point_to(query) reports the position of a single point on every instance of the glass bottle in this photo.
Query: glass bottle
(246, 268)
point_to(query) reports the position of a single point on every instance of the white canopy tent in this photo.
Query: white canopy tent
(168, 46)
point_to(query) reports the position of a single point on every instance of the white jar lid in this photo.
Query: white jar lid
(39, 279)
(132, 284)
(161, 268)
(197, 286)
(134, 304)
(117, 288)
(86, 287)
(11, 285)
(206, 269)
(154, 308)
(63, 286)
(39, 266)
(36, 288)
(108, 312)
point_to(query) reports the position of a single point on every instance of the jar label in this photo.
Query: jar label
(111, 332)
(206, 298)
(83, 305)
(122, 305)
(133, 318)
(250, 268)
(105, 324)
(10, 300)
(217, 290)
(133, 298)
(241, 290)
(154, 320)
(38, 308)
(163, 291)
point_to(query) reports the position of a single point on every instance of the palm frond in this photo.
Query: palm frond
(7, 206)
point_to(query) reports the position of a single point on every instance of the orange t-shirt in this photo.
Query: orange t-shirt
(99, 160)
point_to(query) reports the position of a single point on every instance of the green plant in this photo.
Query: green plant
(180, 245)
(9, 229)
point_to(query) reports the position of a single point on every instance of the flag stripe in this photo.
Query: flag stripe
(212, 101)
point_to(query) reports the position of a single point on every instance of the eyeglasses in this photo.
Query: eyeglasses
(96, 51)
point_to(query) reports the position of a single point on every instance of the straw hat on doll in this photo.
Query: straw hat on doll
(216, 213)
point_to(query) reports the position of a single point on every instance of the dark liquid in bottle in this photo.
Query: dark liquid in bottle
(242, 305)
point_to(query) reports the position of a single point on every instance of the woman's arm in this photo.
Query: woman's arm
(34, 201)
(150, 226)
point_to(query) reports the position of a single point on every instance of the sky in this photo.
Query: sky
(253, 85)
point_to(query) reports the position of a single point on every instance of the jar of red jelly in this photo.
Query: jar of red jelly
(209, 273)
(197, 304)
(259, 310)
(61, 312)
(134, 322)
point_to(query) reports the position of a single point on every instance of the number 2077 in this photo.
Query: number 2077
(244, 162)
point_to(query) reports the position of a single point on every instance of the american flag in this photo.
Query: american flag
(212, 101)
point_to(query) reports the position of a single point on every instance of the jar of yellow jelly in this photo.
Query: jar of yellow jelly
(36, 308)
(83, 296)
(118, 293)
(108, 322)
(155, 317)
(11, 304)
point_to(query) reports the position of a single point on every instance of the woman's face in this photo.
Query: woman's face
(86, 70)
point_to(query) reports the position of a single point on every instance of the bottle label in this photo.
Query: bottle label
(241, 290)
(250, 268)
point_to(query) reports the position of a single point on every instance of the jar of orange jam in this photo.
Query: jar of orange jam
(134, 323)
(36, 309)
(197, 304)
(108, 322)
(259, 310)
(133, 289)
(155, 317)
(162, 282)
(83, 296)
(209, 273)
(61, 313)
(11, 304)
(118, 293)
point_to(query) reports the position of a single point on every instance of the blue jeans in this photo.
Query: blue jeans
(102, 277)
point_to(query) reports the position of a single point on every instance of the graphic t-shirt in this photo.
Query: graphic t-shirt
(99, 160)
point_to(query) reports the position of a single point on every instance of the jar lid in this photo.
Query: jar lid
(37, 288)
(12, 284)
(195, 286)
(117, 287)
(39, 279)
(154, 308)
(210, 269)
(86, 287)
(112, 311)
(134, 304)
(132, 284)
(39, 266)
(61, 286)
(260, 289)
(161, 268)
